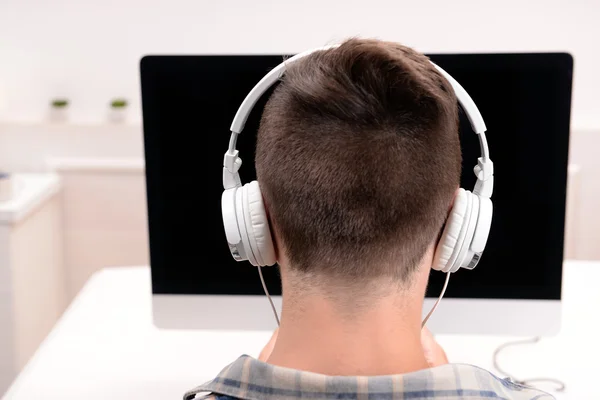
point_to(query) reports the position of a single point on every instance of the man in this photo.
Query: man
(358, 160)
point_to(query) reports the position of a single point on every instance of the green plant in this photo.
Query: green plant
(118, 103)
(60, 103)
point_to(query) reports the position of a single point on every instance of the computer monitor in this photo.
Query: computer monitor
(188, 103)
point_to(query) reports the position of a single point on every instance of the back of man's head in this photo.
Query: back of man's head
(358, 159)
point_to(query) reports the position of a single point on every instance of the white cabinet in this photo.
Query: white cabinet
(32, 276)
(104, 215)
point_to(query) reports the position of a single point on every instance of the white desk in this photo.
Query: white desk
(105, 346)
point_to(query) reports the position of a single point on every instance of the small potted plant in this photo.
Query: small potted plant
(58, 109)
(118, 109)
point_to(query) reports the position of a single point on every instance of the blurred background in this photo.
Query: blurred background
(71, 143)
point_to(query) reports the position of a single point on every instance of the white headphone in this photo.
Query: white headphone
(245, 219)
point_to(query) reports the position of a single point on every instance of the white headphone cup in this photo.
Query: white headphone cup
(448, 240)
(259, 231)
(242, 222)
(463, 259)
(252, 250)
(230, 224)
(484, 224)
(452, 262)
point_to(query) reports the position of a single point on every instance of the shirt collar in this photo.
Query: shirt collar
(249, 379)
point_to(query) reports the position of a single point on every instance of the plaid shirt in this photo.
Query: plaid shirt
(250, 379)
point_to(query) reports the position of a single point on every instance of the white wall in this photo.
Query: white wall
(89, 50)
(27, 147)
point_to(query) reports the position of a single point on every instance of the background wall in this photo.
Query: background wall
(89, 50)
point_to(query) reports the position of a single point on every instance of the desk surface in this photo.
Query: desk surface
(106, 347)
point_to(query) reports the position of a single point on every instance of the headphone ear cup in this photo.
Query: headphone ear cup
(484, 224)
(481, 231)
(231, 223)
(464, 253)
(257, 226)
(446, 249)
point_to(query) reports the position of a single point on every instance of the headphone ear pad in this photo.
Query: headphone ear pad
(449, 239)
(257, 224)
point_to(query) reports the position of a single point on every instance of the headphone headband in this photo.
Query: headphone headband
(483, 170)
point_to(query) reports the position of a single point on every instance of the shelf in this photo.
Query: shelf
(68, 125)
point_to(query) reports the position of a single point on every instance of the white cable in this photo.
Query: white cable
(264, 285)
(527, 382)
(438, 300)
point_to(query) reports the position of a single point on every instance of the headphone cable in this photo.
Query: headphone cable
(264, 285)
(437, 302)
(527, 382)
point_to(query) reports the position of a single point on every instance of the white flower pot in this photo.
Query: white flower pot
(117, 114)
(59, 114)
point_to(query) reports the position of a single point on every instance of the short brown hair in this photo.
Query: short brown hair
(358, 158)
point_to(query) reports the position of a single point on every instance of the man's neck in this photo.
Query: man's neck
(383, 338)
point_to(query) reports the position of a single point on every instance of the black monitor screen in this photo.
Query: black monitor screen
(189, 103)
